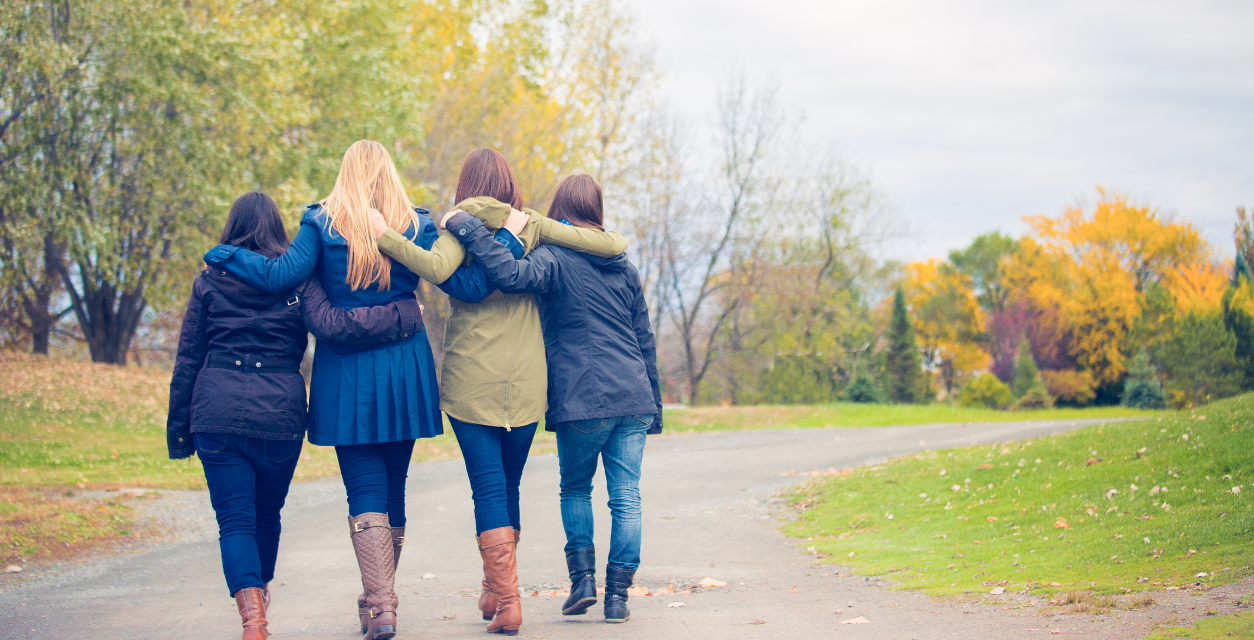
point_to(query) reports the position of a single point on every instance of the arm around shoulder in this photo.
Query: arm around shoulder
(434, 265)
(605, 244)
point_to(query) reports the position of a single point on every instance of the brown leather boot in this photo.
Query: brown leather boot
(252, 611)
(502, 564)
(487, 599)
(372, 542)
(363, 609)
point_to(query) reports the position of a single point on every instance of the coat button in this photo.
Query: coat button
(258, 365)
(461, 232)
(180, 439)
(238, 363)
(404, 335)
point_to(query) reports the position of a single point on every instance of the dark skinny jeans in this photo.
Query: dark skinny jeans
(374, 478)
(495, 457)
(248, 480)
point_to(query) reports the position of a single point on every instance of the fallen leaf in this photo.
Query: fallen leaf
(992, 518)
(12, 569)
(1061, 523)
(997, 591)
(711, 582)
(449, 618)
(675, 605)
(1055, 584)
(793, 590)
(757, 621)
(638, 591)
(428, 576)
(857, 620)
(1090, 462)
(985, 466)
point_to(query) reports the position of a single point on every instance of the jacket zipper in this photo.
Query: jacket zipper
(506, 406)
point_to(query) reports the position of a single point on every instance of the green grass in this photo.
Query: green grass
(1237, 625)
(849, 414)
(1039, 515)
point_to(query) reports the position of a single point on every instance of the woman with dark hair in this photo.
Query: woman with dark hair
(603, 394)
(493, 380)
(237, 398)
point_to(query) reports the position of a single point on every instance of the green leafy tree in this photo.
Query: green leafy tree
(1200, 360)
(1143, 389)
(984, 261)
(863, 389)
(1027, 376)
(1238, 321)
(903, 363)
(985, 391)
(798, 380)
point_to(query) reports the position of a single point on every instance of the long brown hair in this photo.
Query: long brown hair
(578, 199)
(486, 172)
(254, 223)
(368, 179)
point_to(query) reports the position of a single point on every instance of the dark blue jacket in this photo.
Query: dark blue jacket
(238, 365)
(601, 355)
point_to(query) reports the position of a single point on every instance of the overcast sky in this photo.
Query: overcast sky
(973, 114)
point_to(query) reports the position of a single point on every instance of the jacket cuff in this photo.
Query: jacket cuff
(220, 254)
(179, 445)
(411, 318)
(463, 225)
(391, 241)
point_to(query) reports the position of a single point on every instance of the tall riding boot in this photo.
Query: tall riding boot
(487, 599)
(582, 565)
(372, 542)
(501, 561)
(252, 611)
(363, 609)
(616, 583)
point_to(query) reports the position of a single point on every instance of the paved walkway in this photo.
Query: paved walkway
(708, 511)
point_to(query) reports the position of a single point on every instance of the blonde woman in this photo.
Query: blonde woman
(372, 403)
(494, 379)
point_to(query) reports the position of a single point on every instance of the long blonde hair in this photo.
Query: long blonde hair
(367, 179)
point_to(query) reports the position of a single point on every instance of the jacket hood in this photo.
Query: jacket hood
(612, 265)
(240, 293)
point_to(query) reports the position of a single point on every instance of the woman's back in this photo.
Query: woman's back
(332, 266)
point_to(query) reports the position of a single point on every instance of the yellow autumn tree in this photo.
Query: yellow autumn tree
(1093, 269)
(1197, 288)
(947, 320)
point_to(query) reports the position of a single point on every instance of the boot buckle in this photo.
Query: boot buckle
(398, 541)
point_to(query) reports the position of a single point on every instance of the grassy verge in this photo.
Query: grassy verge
(1124, 507)
(848, 414)
(1237, 625)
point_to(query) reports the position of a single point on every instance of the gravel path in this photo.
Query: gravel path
(709, 511)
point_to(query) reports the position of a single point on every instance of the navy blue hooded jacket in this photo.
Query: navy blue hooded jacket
(601, 355)
(238, 365)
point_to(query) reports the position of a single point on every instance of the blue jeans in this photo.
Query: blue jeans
(495, 458)
(248, 480)
(374, 477)
(620, 443)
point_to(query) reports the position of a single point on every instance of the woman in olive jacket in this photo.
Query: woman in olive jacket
(493, 383)
(237, 398)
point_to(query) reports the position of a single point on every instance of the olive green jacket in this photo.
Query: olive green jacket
(494, 370)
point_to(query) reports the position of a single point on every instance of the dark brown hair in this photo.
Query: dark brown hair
(254, 223)
(485, 172)
(578, 199)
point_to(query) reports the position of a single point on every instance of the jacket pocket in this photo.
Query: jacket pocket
(282, 450)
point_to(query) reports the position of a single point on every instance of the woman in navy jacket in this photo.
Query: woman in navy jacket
(603, 381)
(237, 398)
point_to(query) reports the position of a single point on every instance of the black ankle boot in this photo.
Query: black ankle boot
(616, 583)
(582, 565)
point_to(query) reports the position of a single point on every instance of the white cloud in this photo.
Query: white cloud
(973, 114)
